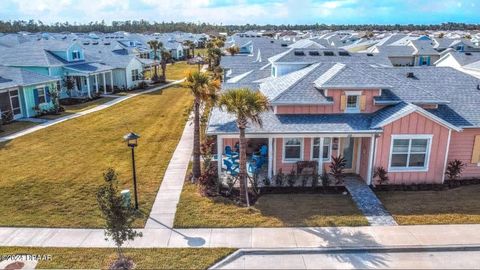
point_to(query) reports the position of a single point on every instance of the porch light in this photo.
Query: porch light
(131, 139)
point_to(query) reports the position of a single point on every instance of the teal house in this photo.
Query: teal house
(24, 93)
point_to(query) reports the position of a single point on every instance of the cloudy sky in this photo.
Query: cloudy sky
(246, 11)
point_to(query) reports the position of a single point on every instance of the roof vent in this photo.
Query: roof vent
(314, 53)
(271, 41)
(343, 53)
(468, 53)
(299, 53)
(478, 86)
(410, 75)
(328, 53)
(369, 54)
(284, 45)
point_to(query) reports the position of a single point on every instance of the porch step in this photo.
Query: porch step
(368, 203)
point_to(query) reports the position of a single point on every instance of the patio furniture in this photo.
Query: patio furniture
(229, 153)
(232, 168)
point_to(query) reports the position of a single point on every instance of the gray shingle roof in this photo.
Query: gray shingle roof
(222, 123)
(13, 77)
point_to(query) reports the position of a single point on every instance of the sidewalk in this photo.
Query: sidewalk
(85, 112)
(259, 238)
(165, 205)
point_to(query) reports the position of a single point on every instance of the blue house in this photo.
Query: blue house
(24, 93)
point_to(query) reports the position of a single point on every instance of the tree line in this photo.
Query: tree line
(141, 26)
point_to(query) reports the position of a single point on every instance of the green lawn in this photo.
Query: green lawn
(49, 178)
(454, 206)
(71, 109)
(14, 127)
(274, 210)
(179, 70)
(101, 258)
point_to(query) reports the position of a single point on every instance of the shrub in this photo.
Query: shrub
(279, 178)
(314, 180)
(266, 181)
(336, 168)
(143, 85)
(325, 179)
(454, 169)
(292, 177)
(381, 174)
(304, 180)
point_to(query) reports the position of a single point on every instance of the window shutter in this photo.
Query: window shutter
(363, 102)
(35, 96)
(47, 94)
(343, 102)
(476, 150)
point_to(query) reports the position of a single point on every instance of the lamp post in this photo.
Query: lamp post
(131, 139)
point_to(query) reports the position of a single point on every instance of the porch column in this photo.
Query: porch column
(370, 160)
(104, 84)
(111, 81)
(96, 83)
(88, 87)
(26, 102)
(219, 155)
(270, 157)
(320, 156)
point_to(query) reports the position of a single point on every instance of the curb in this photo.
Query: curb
(333, 250)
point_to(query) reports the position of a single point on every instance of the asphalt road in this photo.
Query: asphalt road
(359, 260)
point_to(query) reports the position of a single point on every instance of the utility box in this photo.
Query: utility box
(126, 196)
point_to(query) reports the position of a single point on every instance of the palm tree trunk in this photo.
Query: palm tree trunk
(196, 140)
(164, 67)
(193, 51)
(243, 167)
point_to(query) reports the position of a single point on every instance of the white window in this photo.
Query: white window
(353, 101)
(75, 55)
(292, 149)
(410, 152)
(326, 149)
(41, 95)
(135, 75)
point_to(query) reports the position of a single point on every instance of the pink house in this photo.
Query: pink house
(411, 122)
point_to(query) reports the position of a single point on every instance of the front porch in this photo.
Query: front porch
(296, 159)
(87, 80)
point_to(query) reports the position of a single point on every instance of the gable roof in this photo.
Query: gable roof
(393, 113)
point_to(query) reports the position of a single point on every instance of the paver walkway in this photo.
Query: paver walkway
(259, 238)
(368, 203)
(85, 112)
(165, 204)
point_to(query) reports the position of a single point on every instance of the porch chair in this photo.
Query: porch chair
(229, 153)
(231, 167)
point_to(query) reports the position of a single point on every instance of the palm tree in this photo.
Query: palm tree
(204, 90)
(191, 46)
(233, 50)
(246, 105)
(154, 45)
(165, 57)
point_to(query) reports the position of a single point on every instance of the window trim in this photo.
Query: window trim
(137, 77)
(329, 159)
(357, 94)
(42, 88)
(291, 160)
(410, 137)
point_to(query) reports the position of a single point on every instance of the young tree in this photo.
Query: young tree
(246, 105)
(118, 216)
(204, 90)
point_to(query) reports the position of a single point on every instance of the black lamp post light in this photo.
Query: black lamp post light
(132, 141)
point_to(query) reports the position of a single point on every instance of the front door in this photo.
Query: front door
(15, 104)
(348, 149)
